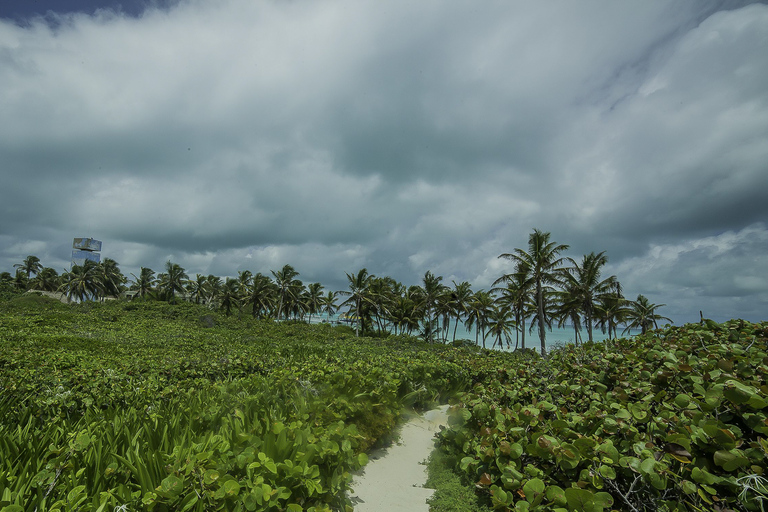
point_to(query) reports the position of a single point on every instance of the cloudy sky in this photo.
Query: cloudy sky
(399, 136)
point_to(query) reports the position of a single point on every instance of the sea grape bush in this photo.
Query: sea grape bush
(674, 420)
(150, 406)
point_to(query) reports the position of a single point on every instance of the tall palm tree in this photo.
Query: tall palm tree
(244, 279)
(6, 280)
(230, 295)
(543, 261)
(81, 282)
(46, 279)
(214, 284)
(459, 302)
(500, 324)
(479, 308)
(173, 280)
(31, 265)
(611, 310)
(111, 280)
(381, 294)
(569, 308)
(358, 296)
(584, 282)
(642, 315)
(284, 279)
(198, 288)
(329, 305)
(145, 281)
(404, 314)
(260, 295)
(433, 292)
(314, 299)
(518, 294)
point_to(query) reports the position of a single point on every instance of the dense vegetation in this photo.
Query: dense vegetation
(675, 421)
(147, 405)
(545, 287)
(173, 407)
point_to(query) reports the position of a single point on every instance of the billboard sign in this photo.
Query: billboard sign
(86, 244)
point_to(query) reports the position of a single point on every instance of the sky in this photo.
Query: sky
(402, 137)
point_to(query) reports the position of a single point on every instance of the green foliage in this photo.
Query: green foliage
(174, 407)
(676, 420)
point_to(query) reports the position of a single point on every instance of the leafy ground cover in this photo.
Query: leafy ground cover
(674, 420)
(170, 407)
(153, 406)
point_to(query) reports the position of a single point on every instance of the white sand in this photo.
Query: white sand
(394, 478)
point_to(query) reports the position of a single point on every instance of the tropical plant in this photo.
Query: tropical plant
(329, 305)
(230, 295)
(459, 302)
(31, 265)
(611, 311)
(642, 315)
(144, 283)
(173, 280)
(517, 294)
(81, 282)
(480, 308)
(284, 279)
(359, 299)
(314, 299)
(543, 262)
(111, 280)
(433, 291)
(500, 323)
(583, 282)
(47, 279)
(260, 295)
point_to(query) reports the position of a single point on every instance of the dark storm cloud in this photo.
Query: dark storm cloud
(399, 136)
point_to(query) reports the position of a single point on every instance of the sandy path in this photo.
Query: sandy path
(394, 478)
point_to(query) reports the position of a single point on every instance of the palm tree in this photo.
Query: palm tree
(479, 308)
(230, 295)
(433, 291)
(173, 280)
(20, 280)
(404, 314)
(518, 295)
(244, 279)
(145, 282)
(358, 296)
(214, 285)
(642, 315)
(314, 299)
(81, 282)
(259, 295)
(284, 279)
(543, 261)
(31, 265)
(611, 310)
(198, 288)
(584, 282)
(459, 302)
(500, 324)
(6, 280)
(569, 308)
(46, 279)
(111, 280)
(329, 305)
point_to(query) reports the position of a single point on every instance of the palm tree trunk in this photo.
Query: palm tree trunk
(540, 310)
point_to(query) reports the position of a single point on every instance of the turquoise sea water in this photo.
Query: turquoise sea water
(556, 337)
